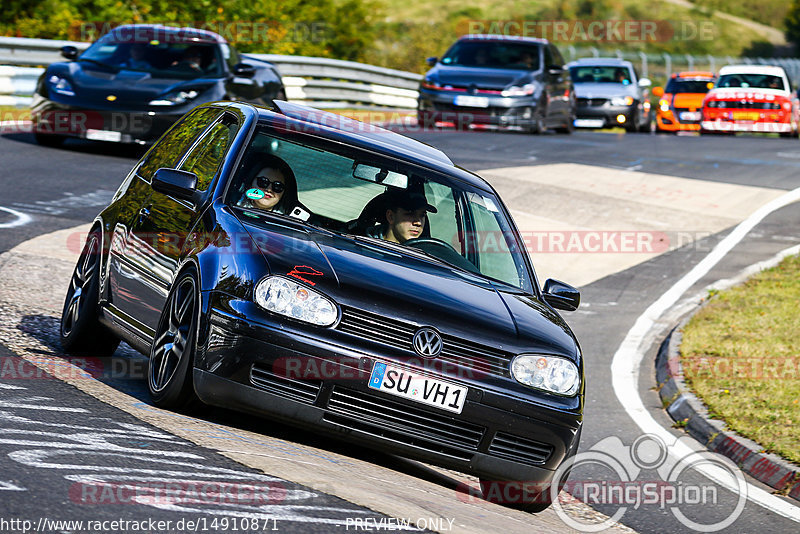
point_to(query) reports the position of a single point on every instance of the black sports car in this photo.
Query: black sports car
(295, 264)
(498, 80)
(137, 80)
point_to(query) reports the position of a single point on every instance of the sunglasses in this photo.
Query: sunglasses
(265, 183)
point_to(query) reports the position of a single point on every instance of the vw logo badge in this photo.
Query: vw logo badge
(427, 342)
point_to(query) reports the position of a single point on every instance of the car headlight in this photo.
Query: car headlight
(175, 98)
(517, 90)
(622, 101)
(60, 86)
(548, 373)
(285, 297)
(663, 104)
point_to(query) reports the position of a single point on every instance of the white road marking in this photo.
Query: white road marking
(21, 218)
(8, 486)
(9, 386)
(628, 358)
(20, 403)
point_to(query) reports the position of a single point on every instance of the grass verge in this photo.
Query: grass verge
(741, 356)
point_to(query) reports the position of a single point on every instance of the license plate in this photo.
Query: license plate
(588, 123)
(690, 116)
(103, 135)
(412, 386)
(471, 101)
(746, 115)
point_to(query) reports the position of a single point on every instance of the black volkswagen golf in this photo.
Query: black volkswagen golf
(298, 265)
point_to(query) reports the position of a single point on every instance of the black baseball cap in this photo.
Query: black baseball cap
(408, 200)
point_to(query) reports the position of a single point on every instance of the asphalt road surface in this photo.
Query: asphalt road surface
(71, 445)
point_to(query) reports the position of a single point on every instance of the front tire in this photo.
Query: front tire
(169, 373)
(81, 332)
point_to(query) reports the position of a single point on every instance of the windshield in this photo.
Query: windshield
(493, 55)
(676, 86)
(600, 74)
(754, 81)
(160, 59)
(382, 200)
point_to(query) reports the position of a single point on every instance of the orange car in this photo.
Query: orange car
(680, 106)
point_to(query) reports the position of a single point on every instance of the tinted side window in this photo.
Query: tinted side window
(168, 151)
(557, 59)
(208, 155)
(548, 56)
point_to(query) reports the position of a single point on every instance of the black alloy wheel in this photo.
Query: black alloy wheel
(169, 374)
(81, 331)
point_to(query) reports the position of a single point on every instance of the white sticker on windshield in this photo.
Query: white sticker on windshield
(481, 200)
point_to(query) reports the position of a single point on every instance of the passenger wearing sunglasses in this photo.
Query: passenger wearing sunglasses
(273, 188)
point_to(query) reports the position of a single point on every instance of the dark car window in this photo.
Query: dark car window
(755, 81)
(493, 55)
(677, 85)
(207, 156)
(170, 148)
(481, 241)
(558, 60)
(600, 74)
(161, 59)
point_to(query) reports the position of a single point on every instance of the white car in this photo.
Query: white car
(751, 98)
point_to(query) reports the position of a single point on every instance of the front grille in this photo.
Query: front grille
(742, 104)
(519, 449)
(473, 357)
(301, 390)
(591, 102)
(373, 414)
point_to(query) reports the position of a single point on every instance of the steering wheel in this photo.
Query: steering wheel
(442, 250)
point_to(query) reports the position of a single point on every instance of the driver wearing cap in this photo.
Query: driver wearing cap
(406, 215)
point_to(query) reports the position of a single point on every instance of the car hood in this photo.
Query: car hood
(363, 274)
(128, 86)
(688, 100)
(481, 78)
(604, 90)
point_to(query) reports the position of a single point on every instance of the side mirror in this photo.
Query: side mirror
(645, 82)
(432, 61)
(555, 69)
(658, 91)
(69, 52)
(175, 183)
(561, 296)
(244, 70)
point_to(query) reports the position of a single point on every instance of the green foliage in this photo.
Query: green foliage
(792, 23)
(769, 12)
(334, 28)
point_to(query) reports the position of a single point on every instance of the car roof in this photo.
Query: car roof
(148, 32)
(312, 121)
(600, 62)
(693, 74)
(500, 37)
(752, 69)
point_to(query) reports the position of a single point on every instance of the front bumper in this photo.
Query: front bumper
(670, 122)
(604, 116)
(720, 125)
(121, 126)
(246, 366)
(441, 106)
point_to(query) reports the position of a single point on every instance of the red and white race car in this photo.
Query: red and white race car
(751, 98)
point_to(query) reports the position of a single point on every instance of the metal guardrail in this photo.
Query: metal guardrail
(333, 83)
(321, 82)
